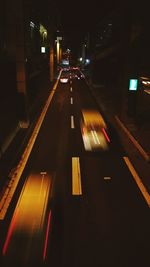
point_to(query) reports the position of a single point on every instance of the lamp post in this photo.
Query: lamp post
(51, 59)
(58, 49)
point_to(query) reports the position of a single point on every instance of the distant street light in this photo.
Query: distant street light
(58, 48)
(58, 51)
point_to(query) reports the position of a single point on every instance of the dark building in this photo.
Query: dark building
(26, 36)
(119, 47)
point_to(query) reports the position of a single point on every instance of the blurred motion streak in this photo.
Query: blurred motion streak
(93, 129)
(47, 233)
(29, 214)
(106, 135)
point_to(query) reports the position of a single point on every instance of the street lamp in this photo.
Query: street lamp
(58, 48)
(58, 51)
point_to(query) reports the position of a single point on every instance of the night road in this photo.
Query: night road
(75, 207)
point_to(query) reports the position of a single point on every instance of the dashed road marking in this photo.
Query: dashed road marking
(107, 178)
(72, 122)
(76, 177)
(71, 101)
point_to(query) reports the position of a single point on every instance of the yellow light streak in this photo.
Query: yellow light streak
(31, 206)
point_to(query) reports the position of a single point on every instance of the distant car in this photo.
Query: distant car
(64, 79)
(94, 131)
(73, 75)
(80, 76)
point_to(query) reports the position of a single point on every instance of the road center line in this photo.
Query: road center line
(107, 178)
(72, 122)
(70, 89)
(76, 177)
(137, 180)
(71, 101)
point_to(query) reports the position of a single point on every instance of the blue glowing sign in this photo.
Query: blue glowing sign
(133, 84)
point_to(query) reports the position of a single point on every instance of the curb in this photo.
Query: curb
(134, 141)
(131, 137)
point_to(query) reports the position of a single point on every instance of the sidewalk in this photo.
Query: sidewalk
(16, 139)
(134, 137)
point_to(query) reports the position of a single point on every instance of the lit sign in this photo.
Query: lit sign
(65, 62)
(32, 24)
(133, 84)
(42, 49)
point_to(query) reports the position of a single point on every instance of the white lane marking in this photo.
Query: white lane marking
(12, 185)
(70, 82)
(76, 177)
(137, 180)
(71, 101)
(70, 89)
(107, 178)
(72, 122)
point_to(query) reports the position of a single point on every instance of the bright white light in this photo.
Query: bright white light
(32, 25)
(64, 80)
(80, 58)
(65, 62)
(87, 61)
(42, 49)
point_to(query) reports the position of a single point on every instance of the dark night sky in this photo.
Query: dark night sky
(76, 18)
(79, 16)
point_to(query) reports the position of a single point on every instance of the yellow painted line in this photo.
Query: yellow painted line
(76, 177)
(137, 180)
(12, 185)
(138, 146)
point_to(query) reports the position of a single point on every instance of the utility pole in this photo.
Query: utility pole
(51, 63)
(58, 49)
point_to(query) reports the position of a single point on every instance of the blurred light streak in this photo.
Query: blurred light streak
(10, 190)
(9, 234)
(106, 135)
(31, 207)
(47, 233)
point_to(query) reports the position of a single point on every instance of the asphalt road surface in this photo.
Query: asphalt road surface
(75, 208)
